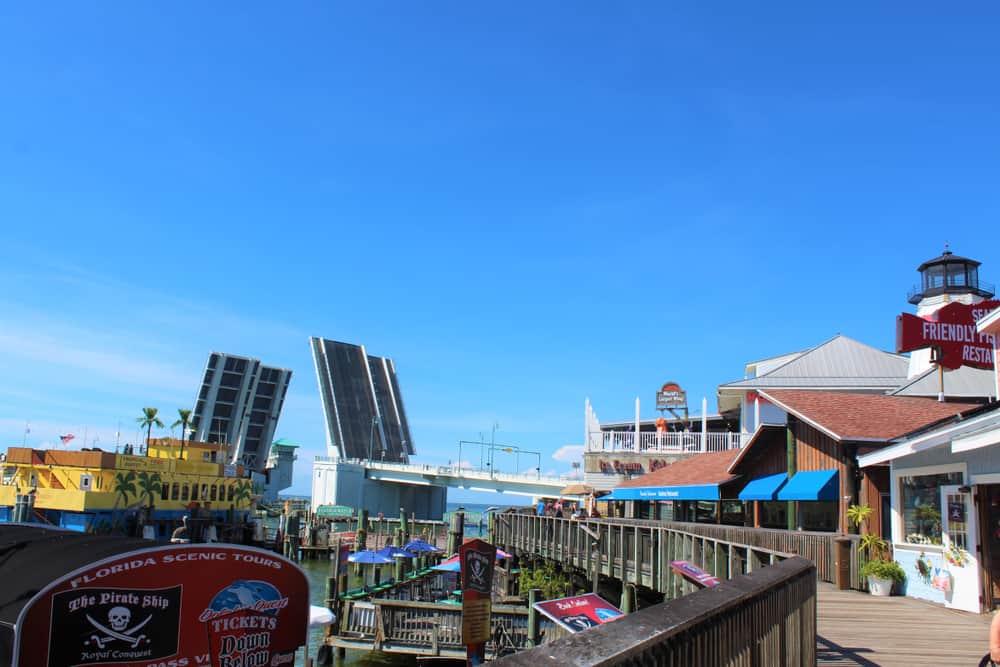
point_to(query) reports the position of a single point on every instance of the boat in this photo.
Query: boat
(143, 493)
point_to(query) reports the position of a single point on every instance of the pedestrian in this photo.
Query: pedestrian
(557, 508)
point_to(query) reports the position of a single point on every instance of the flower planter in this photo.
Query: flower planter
(880, 587)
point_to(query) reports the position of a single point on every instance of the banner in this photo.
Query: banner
(477, 559)
(951, 329)
(182, 606)
(579, 612)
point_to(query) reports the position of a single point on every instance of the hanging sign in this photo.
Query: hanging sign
(477, 560)
(951, 329)
(186, 606)
(579, 612)
(671, 397)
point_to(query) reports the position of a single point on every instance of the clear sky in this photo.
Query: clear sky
(523, 204)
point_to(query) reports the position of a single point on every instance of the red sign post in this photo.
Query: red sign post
(952, 330)
(477, 560)
(580, 611)
(180, 606)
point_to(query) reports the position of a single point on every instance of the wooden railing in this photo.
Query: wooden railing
(639, 552)
(428, 628)
(767, 617)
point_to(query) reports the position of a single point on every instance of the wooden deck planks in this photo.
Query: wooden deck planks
(859, 629)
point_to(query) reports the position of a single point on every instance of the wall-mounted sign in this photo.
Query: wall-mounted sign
(951, 329)
(216, 606)
(671, 397)
(580, 611)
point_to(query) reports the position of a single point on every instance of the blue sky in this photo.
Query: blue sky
(522, 205)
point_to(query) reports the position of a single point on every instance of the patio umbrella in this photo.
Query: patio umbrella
(450, 565)
(370, 557)
(418, 546)
(391, 551)
(320, 615)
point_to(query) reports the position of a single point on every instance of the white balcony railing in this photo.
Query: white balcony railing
(695, 442)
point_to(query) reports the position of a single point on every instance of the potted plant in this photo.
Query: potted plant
(882, 572)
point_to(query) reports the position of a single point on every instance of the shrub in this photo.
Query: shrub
(884, 569)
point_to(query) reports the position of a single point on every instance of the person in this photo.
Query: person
(557, 508)
(995, 639)
(181, 535)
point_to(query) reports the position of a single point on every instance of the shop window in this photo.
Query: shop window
(774, 514)
(732, 512)
(920, 497)
(705, 511)
(818, 515)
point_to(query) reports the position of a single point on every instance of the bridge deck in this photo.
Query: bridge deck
(859, 629)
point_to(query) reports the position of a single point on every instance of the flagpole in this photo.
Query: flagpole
(85, 436)
(27, 430)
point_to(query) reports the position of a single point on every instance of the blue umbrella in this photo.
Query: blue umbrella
(418, 546)
(391, 551)
(448, 566)
(369, 556)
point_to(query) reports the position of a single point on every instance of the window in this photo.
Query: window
(774, 514)
(204, 491)
(229, 494)
(818, 515)
(214, 493)
(920, 496)
(184, 493)
(732, 512)
(194, 492)
(164, 491)
(705, 511)
(175, 492)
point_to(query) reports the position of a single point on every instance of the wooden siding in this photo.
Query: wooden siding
(815, 450)
(874, 482)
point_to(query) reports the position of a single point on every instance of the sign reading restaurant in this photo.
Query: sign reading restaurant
(671, 397)
(951, 329)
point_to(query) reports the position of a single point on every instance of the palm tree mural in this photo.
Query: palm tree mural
(242, 492)
(185, 419)
(149, 483)
(124, 487)
(149, 420)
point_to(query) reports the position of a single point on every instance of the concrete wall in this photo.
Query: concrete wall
(345, 484)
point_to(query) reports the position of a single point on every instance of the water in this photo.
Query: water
(318, 570)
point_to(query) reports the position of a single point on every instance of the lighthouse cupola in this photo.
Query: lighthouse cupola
(948, 278)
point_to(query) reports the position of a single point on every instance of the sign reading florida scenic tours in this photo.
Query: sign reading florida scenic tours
(579, 612)
(177, 606)
(951, 329)
(477, 560)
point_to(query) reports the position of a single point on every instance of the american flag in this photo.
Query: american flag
(66, 438)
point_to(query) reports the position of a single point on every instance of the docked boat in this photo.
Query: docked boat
(145, 493)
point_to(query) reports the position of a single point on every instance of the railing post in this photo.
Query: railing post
(628, 598)
(533, 617)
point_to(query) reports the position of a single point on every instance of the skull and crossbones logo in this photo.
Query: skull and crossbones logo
(119, 619)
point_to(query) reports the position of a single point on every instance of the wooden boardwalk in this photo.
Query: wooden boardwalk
(857, 629)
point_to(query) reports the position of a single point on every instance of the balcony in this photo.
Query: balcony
(672, 442)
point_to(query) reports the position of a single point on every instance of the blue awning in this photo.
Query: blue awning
(688, 492)
(764, 488)
(812, 485)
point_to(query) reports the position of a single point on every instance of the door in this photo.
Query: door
(958, 528)
(989, 513)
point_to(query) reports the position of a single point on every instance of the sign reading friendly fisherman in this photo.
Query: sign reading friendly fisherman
(952, 330)
(177, 606)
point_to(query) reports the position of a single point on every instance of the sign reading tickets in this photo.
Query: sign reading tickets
(178, 606)
(951, 329)
(477, 560)
(671, 397)
(580, 611)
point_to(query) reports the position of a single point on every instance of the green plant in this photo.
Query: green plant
(884, 569)
(552, 583)
(858, 514)
(185, 419)
(873, 546)
(148, 420)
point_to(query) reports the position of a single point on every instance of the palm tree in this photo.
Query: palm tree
(149, 420)
(149, 483)
(242, 492)
(185, 419)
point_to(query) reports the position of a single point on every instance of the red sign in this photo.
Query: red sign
(580, 611)
(671, 396)
(178, 606)
(695, 574)
(477, 559)
(951, 329)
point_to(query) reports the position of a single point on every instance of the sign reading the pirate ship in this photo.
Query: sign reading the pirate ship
(179, 606)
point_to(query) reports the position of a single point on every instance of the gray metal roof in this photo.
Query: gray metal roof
(963, 382)
(840, 362)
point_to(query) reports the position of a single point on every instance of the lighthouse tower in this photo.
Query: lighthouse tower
(944, 279)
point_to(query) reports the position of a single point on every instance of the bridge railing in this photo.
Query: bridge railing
(767, 617)
(639, 552)
(453, 471)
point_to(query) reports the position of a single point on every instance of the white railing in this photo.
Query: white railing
(452, 471)
(677, 442)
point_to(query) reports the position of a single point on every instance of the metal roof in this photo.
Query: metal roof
(964, 381)
(840, 362)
